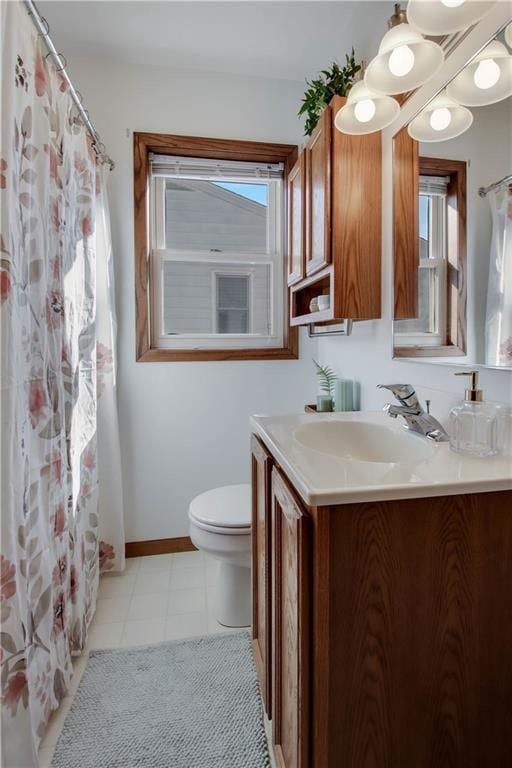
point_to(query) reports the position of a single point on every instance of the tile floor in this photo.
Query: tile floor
(163, 597)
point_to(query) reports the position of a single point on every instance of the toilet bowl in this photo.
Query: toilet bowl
(220, 525)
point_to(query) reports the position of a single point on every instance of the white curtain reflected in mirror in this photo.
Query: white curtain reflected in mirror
(498, 321)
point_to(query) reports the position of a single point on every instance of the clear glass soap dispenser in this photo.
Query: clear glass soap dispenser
(474, 424)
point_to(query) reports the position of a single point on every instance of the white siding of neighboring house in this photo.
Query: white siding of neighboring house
(201, 216)
(189, 296)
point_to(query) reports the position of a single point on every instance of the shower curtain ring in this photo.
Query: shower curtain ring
(46, 26)
(62, 61)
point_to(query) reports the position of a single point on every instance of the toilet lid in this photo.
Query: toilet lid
(226, 507)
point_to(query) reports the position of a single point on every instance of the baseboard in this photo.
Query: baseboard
(158, 546)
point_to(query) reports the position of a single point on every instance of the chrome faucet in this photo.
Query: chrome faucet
(417, 419)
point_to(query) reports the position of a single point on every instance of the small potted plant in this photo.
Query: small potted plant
(335, 81)
(326, 378)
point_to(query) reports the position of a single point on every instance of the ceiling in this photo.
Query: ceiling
(284, 40)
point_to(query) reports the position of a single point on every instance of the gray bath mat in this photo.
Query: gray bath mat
(182, 704)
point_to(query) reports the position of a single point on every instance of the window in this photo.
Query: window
(213, 228)
(428, 327)
(217, 230)
(439, 324)
(233, 311)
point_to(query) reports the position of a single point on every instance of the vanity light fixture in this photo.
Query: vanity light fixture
(442, 17)
(443, 118)
(405, 59)
(366, 111)
(485, 80)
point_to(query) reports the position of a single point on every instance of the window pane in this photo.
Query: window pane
(256, 192)
(196, 293)
(424, 323)
(424, 225)
(232, 292)
(216, 215)
(232, 321)
(232, 303)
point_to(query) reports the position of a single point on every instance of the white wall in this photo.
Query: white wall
(184, 426)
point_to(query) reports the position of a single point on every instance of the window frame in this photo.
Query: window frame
(453, 325)
(149, 348)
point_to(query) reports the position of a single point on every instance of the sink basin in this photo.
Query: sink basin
(363, 441)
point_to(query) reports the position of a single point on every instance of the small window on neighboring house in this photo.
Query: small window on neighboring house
(232, 303)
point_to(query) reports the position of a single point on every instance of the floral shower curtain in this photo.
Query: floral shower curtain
(60, 468)
(498, 325)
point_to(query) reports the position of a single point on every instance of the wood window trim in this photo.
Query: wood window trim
(219, 149)
(456, 281)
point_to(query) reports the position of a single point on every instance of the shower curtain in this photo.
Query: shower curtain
(498, 325)
(60, 469)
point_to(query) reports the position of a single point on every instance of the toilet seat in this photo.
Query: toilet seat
(225, 510)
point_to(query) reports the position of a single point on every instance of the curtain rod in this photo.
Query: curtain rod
(44, 30)
(484, 190)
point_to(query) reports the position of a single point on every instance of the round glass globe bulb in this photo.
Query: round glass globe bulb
(486, 74)
(401, 61)
(364, 110)
(440, 118)
(452, 3)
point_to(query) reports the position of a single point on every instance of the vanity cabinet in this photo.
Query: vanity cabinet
(341, 224)
(391, 627)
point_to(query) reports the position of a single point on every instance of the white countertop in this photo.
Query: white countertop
(324, 479)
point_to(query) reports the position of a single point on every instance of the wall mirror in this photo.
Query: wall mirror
(452, 190)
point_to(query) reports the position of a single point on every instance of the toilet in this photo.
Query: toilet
(220, 525)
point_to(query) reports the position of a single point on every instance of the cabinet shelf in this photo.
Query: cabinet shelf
(312, 317)
(301, 294)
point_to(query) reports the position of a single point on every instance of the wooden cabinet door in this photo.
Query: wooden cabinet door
(296, 207)
(318, 195)
(406, 194)
(261, 568)
(290, 662)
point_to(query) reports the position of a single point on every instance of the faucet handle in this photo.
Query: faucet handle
(403, 392)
